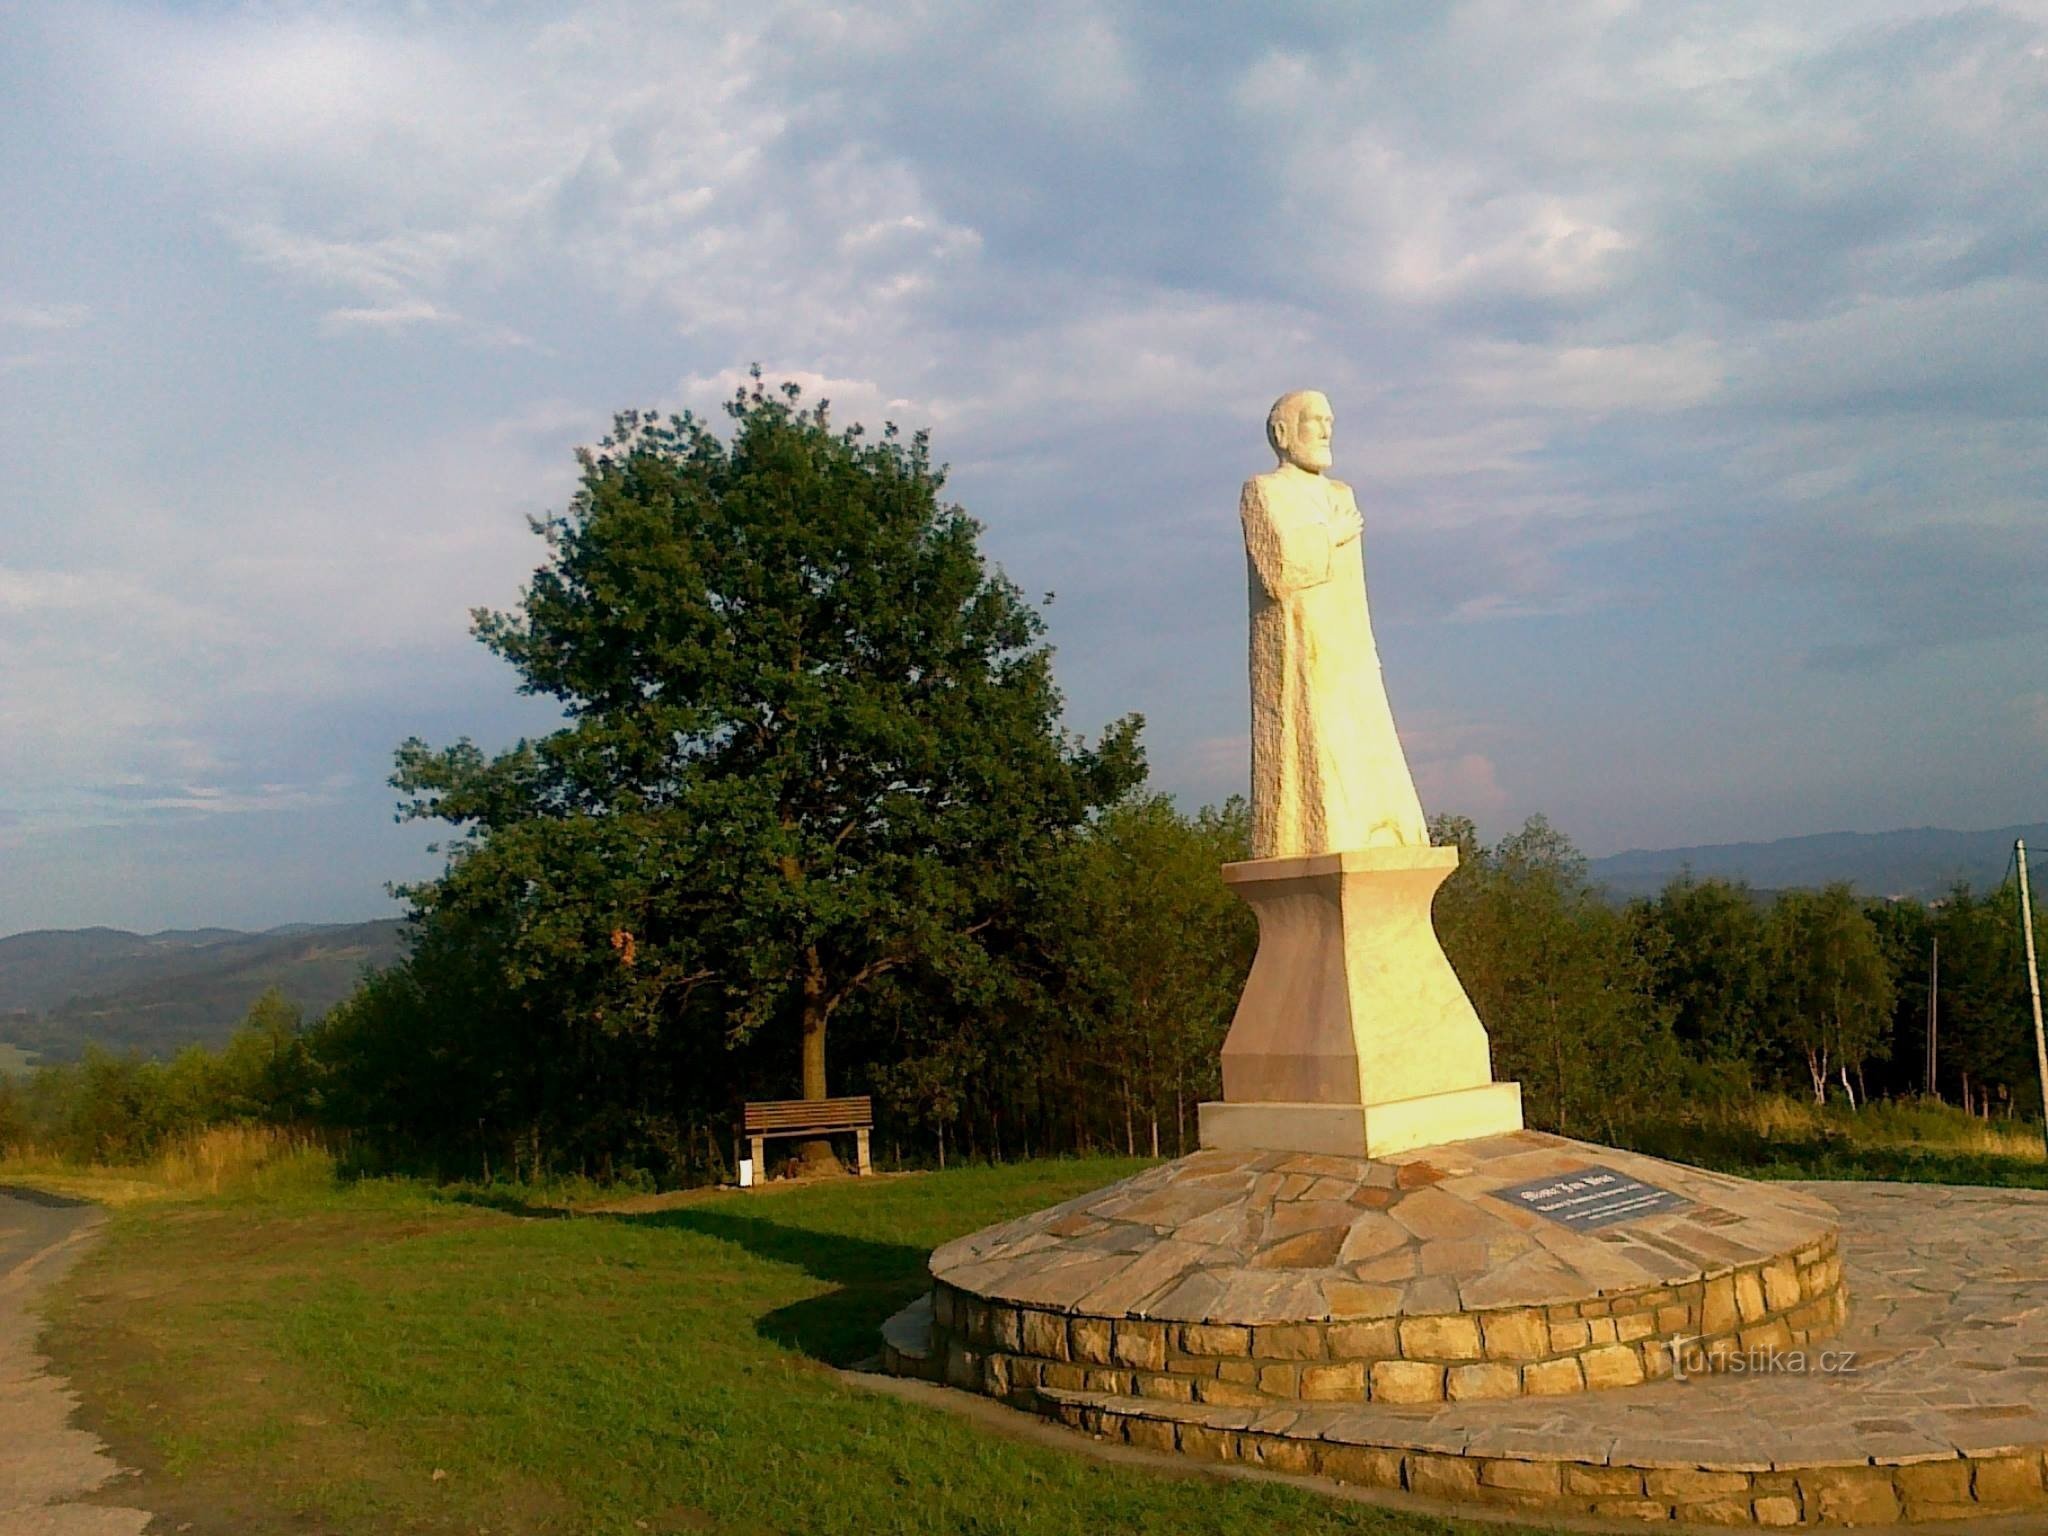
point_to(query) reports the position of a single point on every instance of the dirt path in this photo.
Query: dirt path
(47, 1468)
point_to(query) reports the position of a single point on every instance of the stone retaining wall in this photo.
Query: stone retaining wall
(1615, 1340)
(2007, 1480)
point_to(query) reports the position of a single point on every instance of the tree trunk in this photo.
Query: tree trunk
(815, 1157)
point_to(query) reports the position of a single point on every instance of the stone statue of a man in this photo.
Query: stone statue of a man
(1328, 774)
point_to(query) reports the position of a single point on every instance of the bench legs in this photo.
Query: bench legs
(864, 1166)
(760, 1160)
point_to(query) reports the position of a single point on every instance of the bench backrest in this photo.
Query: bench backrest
(852, 1114)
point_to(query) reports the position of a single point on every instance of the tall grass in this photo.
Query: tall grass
(221, 1159)
(1917, 1122)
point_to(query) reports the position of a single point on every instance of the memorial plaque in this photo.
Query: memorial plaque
(1590, 1197)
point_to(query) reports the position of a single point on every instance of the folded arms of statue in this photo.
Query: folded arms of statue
(1289, 550)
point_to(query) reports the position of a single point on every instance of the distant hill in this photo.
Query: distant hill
(157, 992)
(1920, 862)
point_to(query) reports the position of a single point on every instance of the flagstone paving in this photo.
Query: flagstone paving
(1929, 1403)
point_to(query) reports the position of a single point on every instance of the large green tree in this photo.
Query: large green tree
(1705, 945)
(1554, 976)
(813, 742)
(1831, 988)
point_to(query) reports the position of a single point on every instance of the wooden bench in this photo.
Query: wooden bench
(807, 1117)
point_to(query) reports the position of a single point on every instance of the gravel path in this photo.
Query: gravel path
(47, 1468)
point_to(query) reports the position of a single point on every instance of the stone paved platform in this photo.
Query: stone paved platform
(1246, 1278)
(1931, 1403)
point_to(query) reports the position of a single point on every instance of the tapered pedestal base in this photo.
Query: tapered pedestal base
(1353, 1036)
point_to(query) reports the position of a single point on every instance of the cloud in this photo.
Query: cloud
(44, 317)
(1657, 335)
(1466, 785)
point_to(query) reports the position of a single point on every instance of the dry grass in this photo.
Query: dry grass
(1899, 1123)
(222, 1159)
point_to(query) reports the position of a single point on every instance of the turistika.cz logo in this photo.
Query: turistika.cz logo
(1689, 1357)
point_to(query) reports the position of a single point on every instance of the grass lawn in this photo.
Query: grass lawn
(382, 1358)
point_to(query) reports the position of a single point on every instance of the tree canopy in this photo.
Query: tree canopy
(812, 741)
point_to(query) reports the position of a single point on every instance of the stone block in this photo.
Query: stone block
(1636, 1325)
(1848, 1496)
(1923, 1482)
(2006, 1480)
(1363, 1466)
(1520, 1476)
(1228, 1394)
(1453, 1336)
(1749, 1296)
(1716, 1512)
(1601, 1330)
(1487, 1379)
(1333, 1383)
(1658, 1362)
(1215, 1339)
(1141, 1344)
(1632, 1509)
(1244, 1373)
(1569, 1337)
(1380, 1340)
(1006, 1329)
(995, 1375)
(963, 1368)
(1061, 1376)
(1279, 1380)
(1518, 1335)
(1717, 1307)
(944, 1301)
(1280, 1453)
(1114, 1383)
(1406, 1381)
(1088, 1340)
(1776, 1509)
(1045, 1335)
(1775, 1334)
(1552, 1378)
(1781, 1285)
(1612, 1365)
(1673, 1319)
(1442, 1477)
(1288, 1341)
(974, 1321)
(1167, 1389)
(1604, 1482)
(1692, 1483)
(1208, 1444)
(1149, 1434)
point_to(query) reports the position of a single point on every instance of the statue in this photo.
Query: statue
(1352, 1035)
(1328, 773)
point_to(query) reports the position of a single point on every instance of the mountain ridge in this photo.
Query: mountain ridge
(1915, 862)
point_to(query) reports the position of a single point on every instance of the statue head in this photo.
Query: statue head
(1298, 427)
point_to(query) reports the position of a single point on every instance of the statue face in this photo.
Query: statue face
(1304, 440)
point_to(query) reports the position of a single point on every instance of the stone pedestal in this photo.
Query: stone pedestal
(1354, 1036)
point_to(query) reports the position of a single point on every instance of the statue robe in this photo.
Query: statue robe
(1328, 773)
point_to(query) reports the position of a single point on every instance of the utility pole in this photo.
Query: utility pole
(2019, 849)
(1933, 1002)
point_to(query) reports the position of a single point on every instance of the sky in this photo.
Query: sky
(1689, 362)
